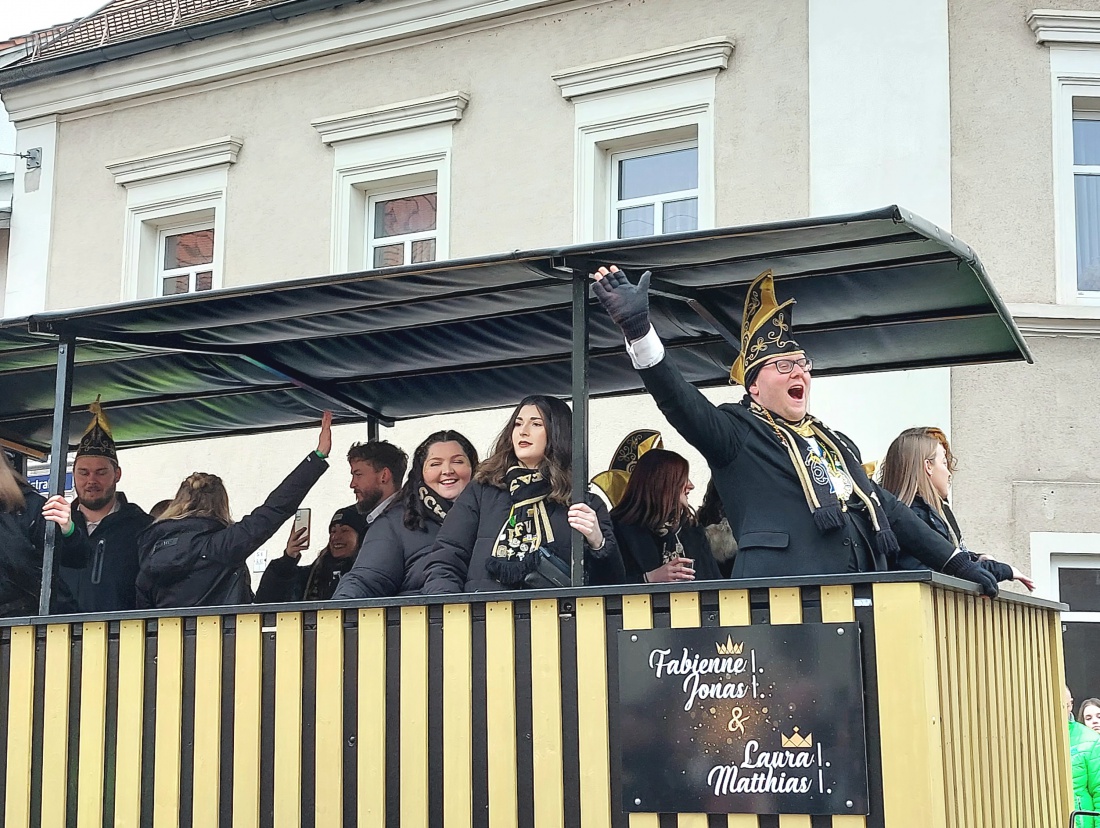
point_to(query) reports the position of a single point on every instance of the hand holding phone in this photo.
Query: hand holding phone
(298, 541)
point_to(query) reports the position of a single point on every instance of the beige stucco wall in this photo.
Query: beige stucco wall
(512, 168)
(1026, 435)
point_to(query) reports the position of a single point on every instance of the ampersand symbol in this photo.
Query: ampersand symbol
(736, 723)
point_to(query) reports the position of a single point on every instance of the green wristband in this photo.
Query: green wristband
(72, 528)
(318, 453)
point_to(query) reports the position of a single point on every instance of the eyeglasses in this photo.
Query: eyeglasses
(785, 366)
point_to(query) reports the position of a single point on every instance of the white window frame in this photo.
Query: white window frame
(169, 189)
(643, 100)
(384, 150)
(1050, 551)
(658, 200)
(1066, 88)
(405, 239)
(175, 228)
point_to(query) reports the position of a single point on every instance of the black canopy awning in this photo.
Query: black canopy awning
(876, 291)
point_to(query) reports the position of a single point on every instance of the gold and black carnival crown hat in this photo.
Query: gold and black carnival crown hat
(633, 446)
(97, 440)
(765, 329)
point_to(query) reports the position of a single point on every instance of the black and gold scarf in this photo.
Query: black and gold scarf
(435, 505)
(526, 529)
(817, 471)
(668, 538)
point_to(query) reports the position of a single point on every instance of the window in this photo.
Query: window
(175, 218)
(645, 141)
(1086, 194)
(187, 260)
(392, 181)
(1066, 568)
(655, 191)
(403, 228)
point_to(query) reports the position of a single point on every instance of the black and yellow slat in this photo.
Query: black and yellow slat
(498, 713)
(55, 725)
(457, 718)
(329, 731)
(93, 721)
(371, 718)
(247, 710)
(169, 722)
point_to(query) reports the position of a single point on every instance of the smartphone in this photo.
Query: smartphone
(301, 520)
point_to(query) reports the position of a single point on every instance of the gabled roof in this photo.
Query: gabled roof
(122, 20)
(876, 291)
(123, 28)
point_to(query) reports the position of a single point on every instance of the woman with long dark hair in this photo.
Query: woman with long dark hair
(23, 517)
(394, 555)
(659, 538)
(194, 555)
(917, 469)
(514, 520)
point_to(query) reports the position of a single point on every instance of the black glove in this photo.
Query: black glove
(960, 566)
(627, 305)
(1000, 571)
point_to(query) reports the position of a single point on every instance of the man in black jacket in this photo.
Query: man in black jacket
(107, 523)
(794, 492)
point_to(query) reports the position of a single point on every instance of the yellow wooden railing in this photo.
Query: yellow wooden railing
(501, 710)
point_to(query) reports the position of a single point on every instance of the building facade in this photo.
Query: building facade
(275, 140)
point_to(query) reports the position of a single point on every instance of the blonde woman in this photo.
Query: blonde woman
(917, 469)
(194, 555)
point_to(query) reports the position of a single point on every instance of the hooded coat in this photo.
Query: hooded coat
(200, 561)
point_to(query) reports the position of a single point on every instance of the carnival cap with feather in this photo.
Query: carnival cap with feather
(613, 481)
(765, 330)
(97, 440)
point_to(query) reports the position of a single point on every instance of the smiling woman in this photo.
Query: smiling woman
(516, 513)
(394, 555)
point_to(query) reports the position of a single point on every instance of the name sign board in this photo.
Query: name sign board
(751, 720)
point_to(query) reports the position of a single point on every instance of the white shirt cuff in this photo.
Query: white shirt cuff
(647, 351)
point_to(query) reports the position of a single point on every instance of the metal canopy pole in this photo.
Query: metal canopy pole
(59, 460)
(579, 362)
(372, 429)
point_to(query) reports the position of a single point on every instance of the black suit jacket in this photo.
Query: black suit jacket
(762, 496)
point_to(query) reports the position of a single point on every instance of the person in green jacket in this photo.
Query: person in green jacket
(1084, 755)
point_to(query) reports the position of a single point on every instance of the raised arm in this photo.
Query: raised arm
(234, 544)
(716, 434)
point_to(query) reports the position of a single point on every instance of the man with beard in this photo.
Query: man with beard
(377, 472)
(107, 522)
(794, 491)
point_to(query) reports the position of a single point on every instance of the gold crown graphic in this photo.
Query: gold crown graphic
(795, 740)
(729, 648)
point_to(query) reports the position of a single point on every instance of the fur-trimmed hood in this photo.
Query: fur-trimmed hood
(721, 541)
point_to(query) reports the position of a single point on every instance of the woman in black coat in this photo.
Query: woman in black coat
(23, 517)
(917, 469)
(194, 555)
(394, 555)
(517, 510)
(659, 538)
